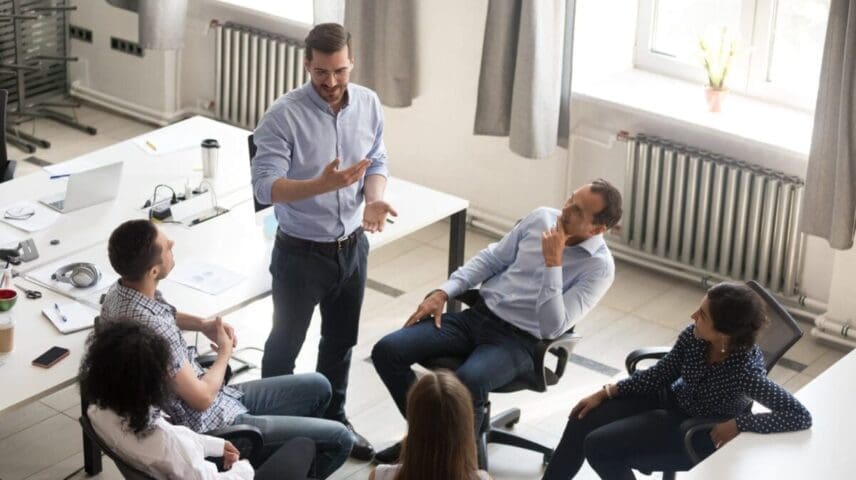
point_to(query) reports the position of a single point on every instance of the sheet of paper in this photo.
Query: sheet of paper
(167, 140)
(43, 275)
(28, 215)
(206, 277)
(72, 166)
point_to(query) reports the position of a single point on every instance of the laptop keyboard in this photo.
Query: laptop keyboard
(59, 204)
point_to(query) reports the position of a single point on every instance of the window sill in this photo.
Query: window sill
(640, 92)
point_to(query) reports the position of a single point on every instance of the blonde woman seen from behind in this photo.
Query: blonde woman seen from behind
(440, 441)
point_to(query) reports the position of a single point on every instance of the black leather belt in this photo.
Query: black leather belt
(481, 307)
(329, 248)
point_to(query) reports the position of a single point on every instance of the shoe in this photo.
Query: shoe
(389, 454)
(362, 449)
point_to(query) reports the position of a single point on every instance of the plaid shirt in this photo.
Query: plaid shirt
(124, 302)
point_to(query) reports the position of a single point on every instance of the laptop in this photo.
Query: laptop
(86, 188)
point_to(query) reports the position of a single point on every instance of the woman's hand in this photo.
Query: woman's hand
(587, 404)
(723, 432)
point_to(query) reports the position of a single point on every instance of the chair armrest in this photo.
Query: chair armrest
(561, 347)
(246, 438)
(647, 353)
(690, 428)
(205, 361)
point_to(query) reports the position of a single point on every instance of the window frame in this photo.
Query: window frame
(748, 74)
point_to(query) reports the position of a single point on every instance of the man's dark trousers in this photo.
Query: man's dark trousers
(306, 274)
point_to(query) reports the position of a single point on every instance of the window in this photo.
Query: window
(781, 43)
(300, 11)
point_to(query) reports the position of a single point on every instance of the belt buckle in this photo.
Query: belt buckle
(340, 242)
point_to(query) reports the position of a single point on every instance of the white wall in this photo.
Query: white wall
(432, 141)
(143, 85)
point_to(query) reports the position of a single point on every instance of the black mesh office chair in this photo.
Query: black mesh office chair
(7, 167)
(495, 429)
(780, 334)
(251, 146)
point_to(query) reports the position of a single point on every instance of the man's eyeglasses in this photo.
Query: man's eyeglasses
(321, 74)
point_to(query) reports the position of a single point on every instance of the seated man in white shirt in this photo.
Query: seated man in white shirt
(125, 412)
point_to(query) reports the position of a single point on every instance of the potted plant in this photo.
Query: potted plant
(717, 54)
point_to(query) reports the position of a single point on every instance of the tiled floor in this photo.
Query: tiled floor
(42, 440)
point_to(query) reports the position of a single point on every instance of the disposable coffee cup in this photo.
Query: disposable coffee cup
(7, 333)
(210, 158)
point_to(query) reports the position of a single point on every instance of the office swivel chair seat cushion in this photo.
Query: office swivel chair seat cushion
(523, 382)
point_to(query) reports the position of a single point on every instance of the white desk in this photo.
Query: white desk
(824, 452)
(235, 241)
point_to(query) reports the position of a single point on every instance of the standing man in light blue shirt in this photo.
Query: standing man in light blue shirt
(536, 282)
(320, 154)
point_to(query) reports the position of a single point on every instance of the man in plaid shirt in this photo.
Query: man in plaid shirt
(282, 407)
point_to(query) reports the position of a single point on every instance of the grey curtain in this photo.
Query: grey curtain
(829, 209)
(523, 75)
(161, 22)
(384, 43)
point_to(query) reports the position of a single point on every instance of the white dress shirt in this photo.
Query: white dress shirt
(167, 451)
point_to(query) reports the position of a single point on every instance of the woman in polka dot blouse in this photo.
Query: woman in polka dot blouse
(714, 370)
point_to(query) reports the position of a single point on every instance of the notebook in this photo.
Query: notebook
(77, 316)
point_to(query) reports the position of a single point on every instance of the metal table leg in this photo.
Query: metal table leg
(457, 240)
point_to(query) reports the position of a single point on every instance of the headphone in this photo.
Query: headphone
(80, 274)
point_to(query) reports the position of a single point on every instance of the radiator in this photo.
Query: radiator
(252, 69)
(712, 215)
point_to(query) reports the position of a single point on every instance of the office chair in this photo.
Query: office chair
(495, 429)
(780, 334)
(252, 148)
(127, 471)
(7, 167)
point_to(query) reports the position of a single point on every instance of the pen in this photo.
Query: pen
(61, 316)
(151, 145)
(54, 177)
(389, 220)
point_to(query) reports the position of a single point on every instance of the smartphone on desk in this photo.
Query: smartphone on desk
(51, 357)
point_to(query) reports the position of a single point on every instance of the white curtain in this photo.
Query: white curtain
(829, 209)
(384, 43)
(523, 78)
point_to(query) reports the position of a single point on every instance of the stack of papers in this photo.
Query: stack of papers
(205, 277)
(70, 317)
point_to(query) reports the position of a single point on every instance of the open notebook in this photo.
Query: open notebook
(77, 316)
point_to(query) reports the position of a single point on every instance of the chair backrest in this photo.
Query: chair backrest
(251, 146)
(129, 472)
(4, 156)
(781, 332)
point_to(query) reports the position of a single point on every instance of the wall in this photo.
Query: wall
(432, 141)
(144, 86)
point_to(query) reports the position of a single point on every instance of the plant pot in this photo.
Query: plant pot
(715, 97)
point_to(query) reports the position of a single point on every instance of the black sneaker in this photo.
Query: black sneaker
(389, 454)
(362, 450)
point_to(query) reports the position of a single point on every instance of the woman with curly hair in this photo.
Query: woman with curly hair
(124, 376)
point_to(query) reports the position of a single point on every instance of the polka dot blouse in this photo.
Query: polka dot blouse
(724, 389)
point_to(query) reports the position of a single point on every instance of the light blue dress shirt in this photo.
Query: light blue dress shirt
(519, 287)
(297, 137)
